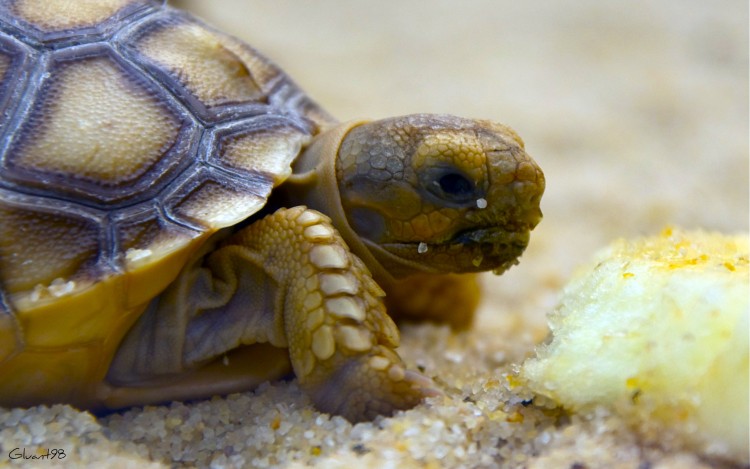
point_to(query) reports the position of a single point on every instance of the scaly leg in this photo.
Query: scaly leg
(288, 280)
(341, 340)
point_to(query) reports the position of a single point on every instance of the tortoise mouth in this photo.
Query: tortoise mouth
(473, 250)
(495, 249)
(494, 236)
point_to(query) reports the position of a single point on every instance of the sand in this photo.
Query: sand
(637, 112)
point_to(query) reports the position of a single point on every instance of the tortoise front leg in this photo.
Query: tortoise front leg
(341, 340)
(287, 280)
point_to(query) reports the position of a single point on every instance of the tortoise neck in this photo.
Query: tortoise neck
(314, 183)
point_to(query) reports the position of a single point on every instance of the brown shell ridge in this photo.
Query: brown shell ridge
(146, 204)
(149, 211)
(258, 185)
(35, 37)
(211, 143)
(110, 258)
(8, 320)
(96, 195)
(290, 99)
(21, 88)
(128, 36)
(43, 205)
(22, 60)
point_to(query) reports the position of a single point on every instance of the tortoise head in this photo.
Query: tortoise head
(437, 193)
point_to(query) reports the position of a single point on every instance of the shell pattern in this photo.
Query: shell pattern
(130, 132)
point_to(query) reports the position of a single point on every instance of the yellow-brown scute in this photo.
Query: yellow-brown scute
(96, 123)
(208, 69)
(38, 247)
(56, 15)
(106, 134)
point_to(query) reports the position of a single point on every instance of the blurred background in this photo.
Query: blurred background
(637, 111)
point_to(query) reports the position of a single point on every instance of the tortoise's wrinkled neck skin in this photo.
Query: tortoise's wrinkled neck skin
(428, 193)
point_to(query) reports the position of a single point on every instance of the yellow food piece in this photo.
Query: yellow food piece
(656, 329)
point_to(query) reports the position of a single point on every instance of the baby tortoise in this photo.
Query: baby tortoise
(178, 219)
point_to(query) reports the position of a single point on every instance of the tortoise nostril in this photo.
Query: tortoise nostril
(527, 171)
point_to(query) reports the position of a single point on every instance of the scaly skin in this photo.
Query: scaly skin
(341, 340)
(415, 200)
(288, 280)
(422, 198)
(125, 153)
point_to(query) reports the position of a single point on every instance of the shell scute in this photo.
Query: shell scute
(97, 129)
(61, 22)
(213, 199)
(215, 75)
(264, 145)
(131, 133)
(39, 244)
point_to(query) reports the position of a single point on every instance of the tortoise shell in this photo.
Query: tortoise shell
(130, 133)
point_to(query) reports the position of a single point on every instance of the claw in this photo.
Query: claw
(422, 384)
(359, 392)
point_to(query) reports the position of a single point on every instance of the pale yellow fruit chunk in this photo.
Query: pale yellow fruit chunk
(656, 329)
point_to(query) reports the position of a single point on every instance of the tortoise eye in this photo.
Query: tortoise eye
(456, 185)
(453, 187)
